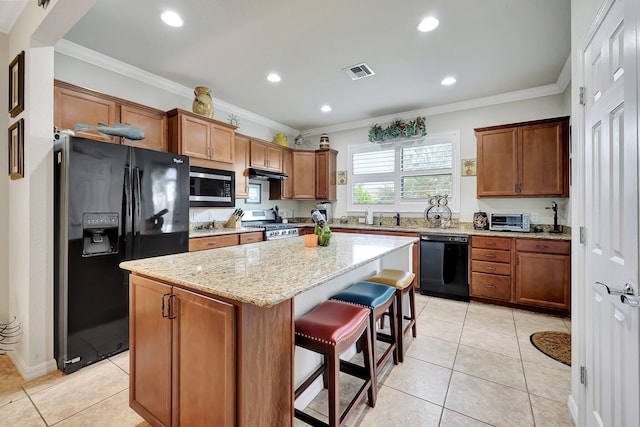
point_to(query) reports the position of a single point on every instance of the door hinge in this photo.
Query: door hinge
(583, 235)
(581, 94)
(583, 375)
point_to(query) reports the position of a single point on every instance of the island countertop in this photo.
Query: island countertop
(266, 273)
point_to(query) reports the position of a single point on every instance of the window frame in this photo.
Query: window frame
(398, 205)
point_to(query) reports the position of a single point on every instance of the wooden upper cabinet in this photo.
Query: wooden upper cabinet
(266, 155)
(201, 138)
(326, 169)
(281, 190)
(528, 159)
(152, 122)
(241, 147)
(75, 105)
(304, 175)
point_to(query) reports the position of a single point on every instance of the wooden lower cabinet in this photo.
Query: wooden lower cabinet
(201, 361)
(543, 274)
(212, 242)
(183, 360)
(252, 237)
(525, 272)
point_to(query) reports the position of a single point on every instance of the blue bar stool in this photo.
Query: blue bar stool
(379, 299)
(402, 281)
(330, 329)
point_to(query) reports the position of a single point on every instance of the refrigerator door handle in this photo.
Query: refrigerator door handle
(128, 227)
(138, 191)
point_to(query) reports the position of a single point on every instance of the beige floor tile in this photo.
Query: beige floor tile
(549, 413)
(490, 322)
(349, 386)
(488, 402)
(554, 384)
(490, 366)
(81, 390)
(420, 379)
(567, 323)
(494, 310)
(113, 411)
(527, 323)
(395, 408)
(529, 353)
(433, 350)
(490, 341)
(121, 360)
(434, 328)
(442, 309)
(57, 377)
(20, 413)
(453, 419)
(10, 381)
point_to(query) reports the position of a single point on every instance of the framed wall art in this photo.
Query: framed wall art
(16, 85)
(469, 167)
(16, 150)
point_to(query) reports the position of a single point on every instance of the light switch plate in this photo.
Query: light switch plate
(535, 217)
(361, 220)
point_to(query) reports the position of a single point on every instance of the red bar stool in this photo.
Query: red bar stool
(330, 329)
(402, 281)
(380, 300)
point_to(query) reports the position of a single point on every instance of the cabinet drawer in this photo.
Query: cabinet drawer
(490, 255)
(491, 286)
(491, 268)
(562, 247)
(212, 242)
(503, 243)
(250, 237)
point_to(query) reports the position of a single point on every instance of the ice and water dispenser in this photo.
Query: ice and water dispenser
(99, 234)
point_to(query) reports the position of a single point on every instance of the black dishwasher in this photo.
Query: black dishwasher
(444, 265)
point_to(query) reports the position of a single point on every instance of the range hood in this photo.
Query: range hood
(263, 174)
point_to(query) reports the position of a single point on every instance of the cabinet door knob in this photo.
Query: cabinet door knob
(489, 255)
(491, 268)
(490, 286)
(542, 246)
(490, 243)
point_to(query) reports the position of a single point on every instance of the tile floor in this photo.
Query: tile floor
(471, 365)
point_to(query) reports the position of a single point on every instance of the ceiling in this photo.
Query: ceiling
(490, 46)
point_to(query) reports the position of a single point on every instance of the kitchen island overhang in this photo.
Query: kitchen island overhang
(259, 288)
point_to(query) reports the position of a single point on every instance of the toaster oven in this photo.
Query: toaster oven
(510, 222)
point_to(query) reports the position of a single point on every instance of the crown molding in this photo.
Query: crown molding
(10, 12)
(565, 75)
(82, 53)
(520, 95)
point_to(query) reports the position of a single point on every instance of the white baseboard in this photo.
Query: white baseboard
(32, 372)
(573, 408)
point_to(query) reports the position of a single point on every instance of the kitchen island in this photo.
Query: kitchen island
(212, 332)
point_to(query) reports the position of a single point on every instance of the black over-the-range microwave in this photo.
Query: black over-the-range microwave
(211, 187)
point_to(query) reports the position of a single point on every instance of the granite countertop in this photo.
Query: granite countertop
(254, 274)
(452, 230)
(394, 228)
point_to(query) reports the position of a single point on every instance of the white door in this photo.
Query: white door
(611, 220)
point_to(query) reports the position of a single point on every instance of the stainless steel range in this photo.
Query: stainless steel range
(267, 219)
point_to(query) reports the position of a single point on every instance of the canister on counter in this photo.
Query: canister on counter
(480, 221)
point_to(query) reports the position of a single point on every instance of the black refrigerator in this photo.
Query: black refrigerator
(112, 203)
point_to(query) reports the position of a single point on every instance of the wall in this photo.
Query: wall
(464, 122)
(29, 204)
(4, 184)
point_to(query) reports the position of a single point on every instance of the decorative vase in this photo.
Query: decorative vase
(324, 141)
(480, 221)
(280, 139)
(203, 104)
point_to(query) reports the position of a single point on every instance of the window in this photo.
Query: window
(401, 176)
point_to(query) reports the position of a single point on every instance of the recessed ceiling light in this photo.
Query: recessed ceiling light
(274, 78)
(428, 24)
(448, 81)
(172, 19)
(325, 108)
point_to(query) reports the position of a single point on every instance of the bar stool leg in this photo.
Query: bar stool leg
(333, 374)
(400, 328)
(412, 301)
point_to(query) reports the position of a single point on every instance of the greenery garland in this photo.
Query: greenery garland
(398, 129)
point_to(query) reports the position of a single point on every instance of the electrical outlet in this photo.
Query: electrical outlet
(535, 217)
(361, 220)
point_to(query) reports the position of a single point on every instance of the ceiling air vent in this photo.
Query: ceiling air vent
(359, 71)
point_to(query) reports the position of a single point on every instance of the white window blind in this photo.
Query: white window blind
(402, 176)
